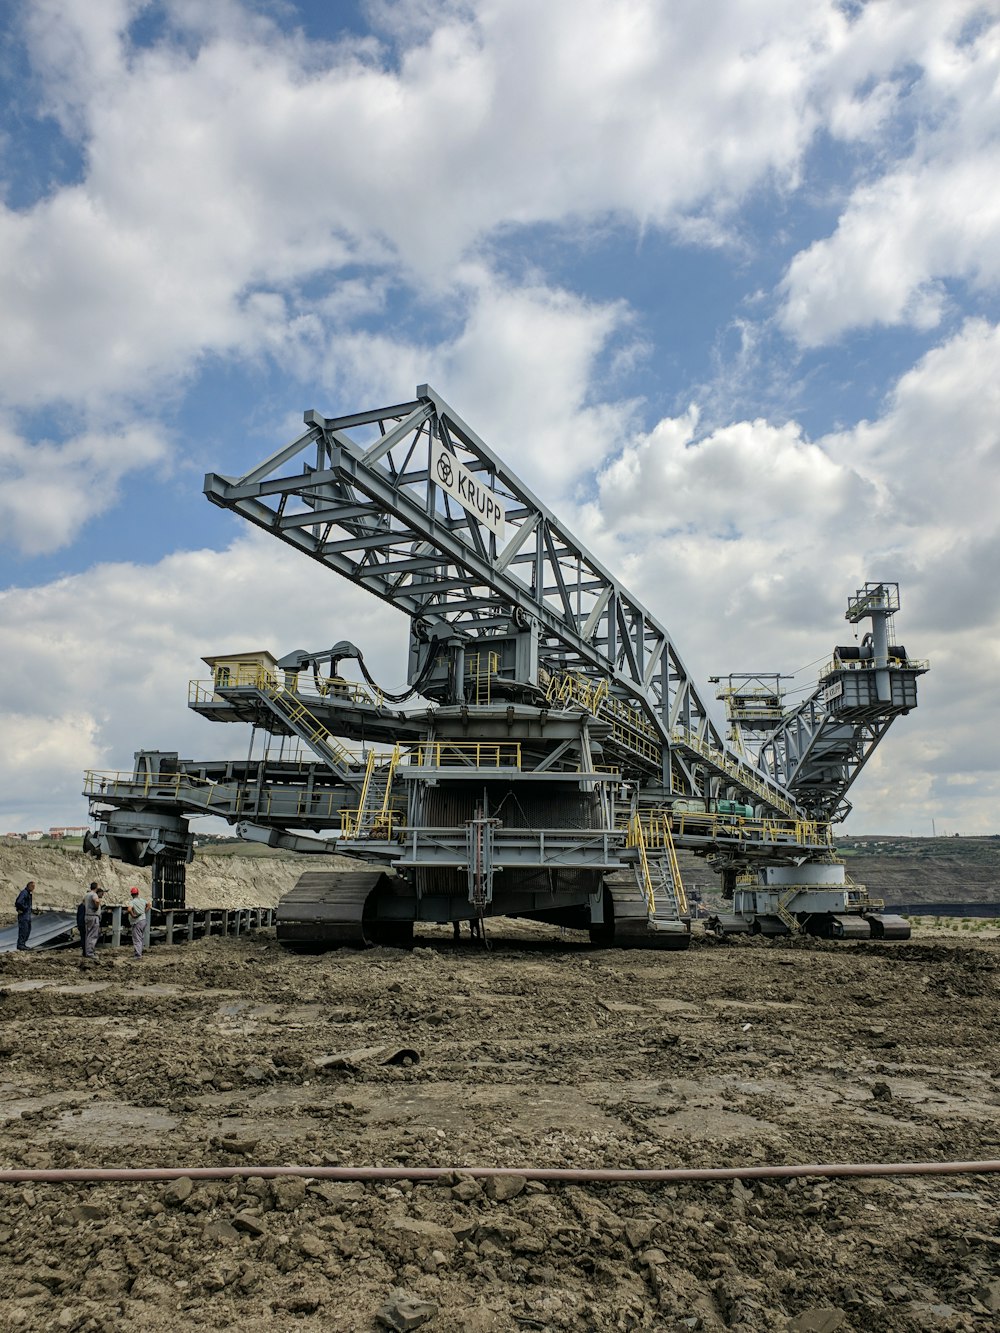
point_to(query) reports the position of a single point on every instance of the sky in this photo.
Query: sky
(718, 279)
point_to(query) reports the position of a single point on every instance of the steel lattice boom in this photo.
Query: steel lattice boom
(359, 494)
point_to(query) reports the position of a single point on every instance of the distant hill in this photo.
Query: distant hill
(899, 870)
(925, 870)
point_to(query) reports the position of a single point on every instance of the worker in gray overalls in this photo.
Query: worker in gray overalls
(92, 920)
(136, 910)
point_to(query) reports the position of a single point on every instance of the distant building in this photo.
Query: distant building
(34, 835)
(70, 831)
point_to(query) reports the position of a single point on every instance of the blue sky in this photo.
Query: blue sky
(719, 280)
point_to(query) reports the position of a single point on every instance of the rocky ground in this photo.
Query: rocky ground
(541, 1052)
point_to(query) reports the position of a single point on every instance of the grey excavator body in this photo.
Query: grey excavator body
(554, 752)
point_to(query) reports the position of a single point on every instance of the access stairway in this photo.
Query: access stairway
(653, 911)
(633, 734)
(290, 708)
(374, 817)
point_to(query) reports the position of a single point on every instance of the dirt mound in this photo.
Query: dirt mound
(62, 874)
(234, 1052)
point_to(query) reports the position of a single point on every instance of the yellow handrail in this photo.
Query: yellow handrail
(656, 834)
(742, 773)
(470, 754)
(804, 832)
(636, 838)
(379, 822)
(259, 678)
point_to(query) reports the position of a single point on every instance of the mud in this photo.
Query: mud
(542, 1052)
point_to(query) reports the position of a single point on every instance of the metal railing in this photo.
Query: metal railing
(655, 835)
(868, 664)
(806, 833)
(225, 798)
(389, 826)
(467, 754)
(349, 690)
(425, 845)
(742, 774)
(630, 728)
(375, 816)
(260, 678)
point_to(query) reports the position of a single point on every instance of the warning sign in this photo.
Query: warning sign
(467, 488)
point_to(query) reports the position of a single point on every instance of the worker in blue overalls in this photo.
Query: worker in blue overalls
(24, 906)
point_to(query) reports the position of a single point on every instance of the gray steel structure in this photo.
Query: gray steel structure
(560, 739)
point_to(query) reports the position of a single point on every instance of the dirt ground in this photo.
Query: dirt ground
(542, 1052)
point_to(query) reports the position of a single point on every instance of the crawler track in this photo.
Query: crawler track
(333, 909)
(626, 923)
(347, 909)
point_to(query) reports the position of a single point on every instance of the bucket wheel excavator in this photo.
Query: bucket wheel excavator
(555, 754)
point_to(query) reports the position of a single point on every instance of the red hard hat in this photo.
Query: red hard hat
(134, 892)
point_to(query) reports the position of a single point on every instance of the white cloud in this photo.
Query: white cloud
(750, 477)
(116, 646)
(935, 454)
(933, 216)
(231, 158)
(49, 490)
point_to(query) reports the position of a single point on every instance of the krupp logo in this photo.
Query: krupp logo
(474, 490)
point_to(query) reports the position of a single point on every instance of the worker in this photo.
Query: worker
(24, 906)
(81, 919)
(136, 911)
(475, 928)
(92, 919)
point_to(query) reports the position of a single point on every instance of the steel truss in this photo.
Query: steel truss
(357, 493)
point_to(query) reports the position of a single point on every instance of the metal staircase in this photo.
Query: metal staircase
(782, 912)
(374, 815)
(631, 730)
(658, 872)
(290, 708)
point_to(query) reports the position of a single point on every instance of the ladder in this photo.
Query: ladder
(482, 676)
(373, 818)
(658, 870)
(290, 708)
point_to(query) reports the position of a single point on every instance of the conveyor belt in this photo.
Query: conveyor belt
(49, 930)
